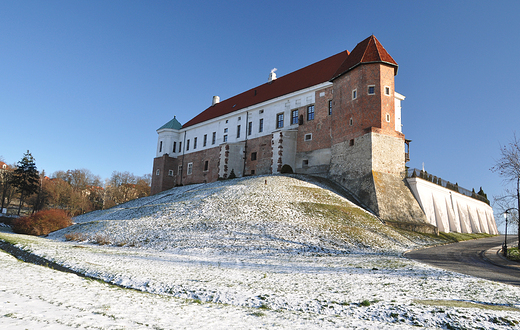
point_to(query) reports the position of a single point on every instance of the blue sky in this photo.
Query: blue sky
(85, 84)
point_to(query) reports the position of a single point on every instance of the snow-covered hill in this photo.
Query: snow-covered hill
(265, 214)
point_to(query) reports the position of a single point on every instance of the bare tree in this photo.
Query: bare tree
(508, 167)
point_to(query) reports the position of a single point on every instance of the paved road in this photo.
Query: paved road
(467, 258)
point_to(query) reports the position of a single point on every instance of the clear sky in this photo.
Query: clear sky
(85, 84)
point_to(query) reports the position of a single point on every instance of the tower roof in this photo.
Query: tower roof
(172, 124)
(367, 51)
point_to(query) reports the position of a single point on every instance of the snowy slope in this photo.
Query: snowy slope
(286, 215)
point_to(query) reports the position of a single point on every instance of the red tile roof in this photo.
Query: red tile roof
(367, 51)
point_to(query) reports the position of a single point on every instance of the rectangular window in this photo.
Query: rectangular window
(354, 94)
(170, 172)
(190, 169)
(174, 146)
(180, 146)
(253, 155)
(261, 125)
(179, 170)
(330, 107)
(205, 142)
(214, 138)
(238, 131)
(387, 90)
(225, 138)
(371, 90)
(279, 120)
(194, 143)
(294, 117)
(250, 128)
(310, 112)
(188, 145)
(308, 137)
(206, 165)
(160, 146)
(158, 172)
(305, 162)
(225, 130)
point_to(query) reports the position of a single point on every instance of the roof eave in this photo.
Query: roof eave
(396, 67)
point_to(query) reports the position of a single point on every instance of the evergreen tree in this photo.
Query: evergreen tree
(26, 178)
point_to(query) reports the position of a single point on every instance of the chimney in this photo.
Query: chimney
(272, 75)
(216, 100)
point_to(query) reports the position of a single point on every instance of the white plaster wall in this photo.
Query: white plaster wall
(284, 149)
(451, 211)
(265, 110)
(167, 136)
(398, 99)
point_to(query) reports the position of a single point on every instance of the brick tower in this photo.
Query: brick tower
(368, 147)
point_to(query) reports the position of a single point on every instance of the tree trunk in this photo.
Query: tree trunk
(21, 202)
(518, 209)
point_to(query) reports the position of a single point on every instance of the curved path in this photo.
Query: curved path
(468, 258)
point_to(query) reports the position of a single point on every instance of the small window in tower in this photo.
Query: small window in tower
(305, 163)
(190, 169)
(351, 121)
(387, 90)
(160, 146)
(310, 112)
(253, 155)
(157, 172)
(351, 142)
(371, 90)
(354, 94)
(170, 172)
(206, 165)
(180, 146)
(330, 107)
(294, 117)
(387, 118)
(308, 137)
(174, 146)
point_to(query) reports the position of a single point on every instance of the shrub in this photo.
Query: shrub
(42, 222)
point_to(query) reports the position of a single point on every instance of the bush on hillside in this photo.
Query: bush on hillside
(42, 222)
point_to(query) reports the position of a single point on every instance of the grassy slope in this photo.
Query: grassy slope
(292, 214)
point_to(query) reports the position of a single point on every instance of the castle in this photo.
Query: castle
(339, 118)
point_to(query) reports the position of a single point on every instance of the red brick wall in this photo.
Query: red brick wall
(163, 181)
(368, 112)
(264, 155)
(319, 127)
(198, 159)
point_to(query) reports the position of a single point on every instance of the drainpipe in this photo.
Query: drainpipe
(183, 152)
(245, 145)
